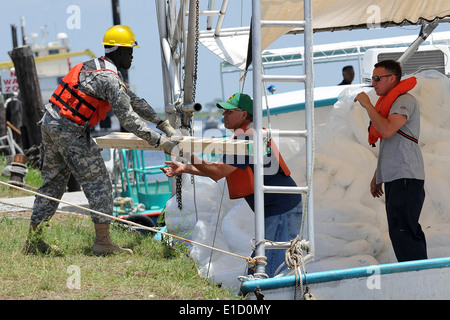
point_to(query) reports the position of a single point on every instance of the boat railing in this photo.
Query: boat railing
(134, 177)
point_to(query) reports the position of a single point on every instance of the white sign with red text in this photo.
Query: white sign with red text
(9, 81)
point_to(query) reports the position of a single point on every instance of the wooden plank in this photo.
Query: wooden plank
(127, 140)
(123, 140)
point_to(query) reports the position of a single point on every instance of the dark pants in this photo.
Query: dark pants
(404, 201)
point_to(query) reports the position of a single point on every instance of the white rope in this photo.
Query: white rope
(215, 231)
(26, 208)
(294, 260)
(128, 222)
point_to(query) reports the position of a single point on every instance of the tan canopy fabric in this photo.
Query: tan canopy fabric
(331, 15)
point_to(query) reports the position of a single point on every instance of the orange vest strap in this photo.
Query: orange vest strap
(58, 96)
(407, 136)
(77, 105)
(384, 104)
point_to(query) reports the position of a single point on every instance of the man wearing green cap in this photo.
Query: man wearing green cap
(282, 212)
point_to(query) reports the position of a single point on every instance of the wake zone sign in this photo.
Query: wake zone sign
(9, 81)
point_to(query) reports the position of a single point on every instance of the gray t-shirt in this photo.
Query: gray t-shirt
(400, 157)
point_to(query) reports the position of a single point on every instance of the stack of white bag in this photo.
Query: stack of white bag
(350, 225)
(210, 217)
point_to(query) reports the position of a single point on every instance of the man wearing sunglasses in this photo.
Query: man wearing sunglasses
(395, 119)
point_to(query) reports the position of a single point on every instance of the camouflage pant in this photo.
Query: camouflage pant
(65, 151)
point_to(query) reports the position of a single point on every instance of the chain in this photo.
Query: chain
(197, 35)
(178, 182)
(179, 179)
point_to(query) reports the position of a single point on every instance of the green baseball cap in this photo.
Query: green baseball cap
(238, 100)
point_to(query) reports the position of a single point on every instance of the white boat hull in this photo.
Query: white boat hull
(415, 280)
(287, 110)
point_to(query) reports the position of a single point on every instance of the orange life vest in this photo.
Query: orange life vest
(241, 182)
(74, 103)
(384, 104)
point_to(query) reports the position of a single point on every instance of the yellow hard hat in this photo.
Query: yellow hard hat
(120, 36)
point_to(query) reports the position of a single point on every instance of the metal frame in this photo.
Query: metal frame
(171, 80)
(308, 80)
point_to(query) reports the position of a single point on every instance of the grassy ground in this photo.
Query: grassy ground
(155, 270)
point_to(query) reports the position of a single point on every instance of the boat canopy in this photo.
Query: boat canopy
(338, 51)
(328, 15)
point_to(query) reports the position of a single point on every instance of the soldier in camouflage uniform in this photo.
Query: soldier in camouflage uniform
(67, 147)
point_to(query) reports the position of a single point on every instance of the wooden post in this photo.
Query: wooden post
(30, 94)
(14, 35)
(2, 117)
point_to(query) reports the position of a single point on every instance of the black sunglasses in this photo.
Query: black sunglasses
(378, 78)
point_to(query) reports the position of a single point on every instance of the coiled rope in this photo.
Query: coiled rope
(294, 260)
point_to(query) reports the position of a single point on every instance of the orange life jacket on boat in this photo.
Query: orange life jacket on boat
(241, 182)
(74, 103)
(384, 104)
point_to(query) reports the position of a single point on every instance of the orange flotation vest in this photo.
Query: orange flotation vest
(241, 182)
(384, 104)
(74, 103)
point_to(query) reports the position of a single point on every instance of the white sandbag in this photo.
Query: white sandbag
(345, 175)
(433, 93)
(334, 263)
(239, 228)
(321, 182)
(219, 271)
(359, 188)
(328, 246)
(207, 234)
(357, 247)
(350, 225)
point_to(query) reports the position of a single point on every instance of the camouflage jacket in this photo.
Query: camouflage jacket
(127, 106)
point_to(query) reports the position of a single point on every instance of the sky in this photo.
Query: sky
(95, 17)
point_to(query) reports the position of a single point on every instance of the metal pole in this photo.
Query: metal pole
(162, 27)
(167, 86)
(309, 115)
(14, 35)
(221, 17)
(116, 21)
(24, 37)
(209, 21)
(258, 141)
(416, 44)
(116, 11)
